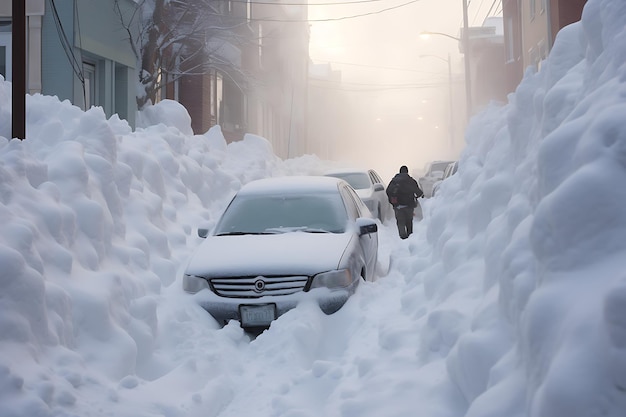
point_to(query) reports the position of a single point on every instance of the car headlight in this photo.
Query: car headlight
(193, 284)
(332, 279)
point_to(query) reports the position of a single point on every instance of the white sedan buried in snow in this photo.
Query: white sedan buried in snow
(370, 187)
(282, 240)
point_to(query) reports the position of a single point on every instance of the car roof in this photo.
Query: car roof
(348, 171)
(292, 185)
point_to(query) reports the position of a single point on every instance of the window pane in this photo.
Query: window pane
(358, 181)
(256, 214)
(3, 61)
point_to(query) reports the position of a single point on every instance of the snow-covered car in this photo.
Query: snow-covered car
(433, 173)
(370, 187)
(448, 172)
(280, 241)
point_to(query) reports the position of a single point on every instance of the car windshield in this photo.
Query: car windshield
(270, 214)
(358, 180)
(438, 166)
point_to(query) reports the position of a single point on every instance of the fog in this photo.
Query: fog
(394, 93)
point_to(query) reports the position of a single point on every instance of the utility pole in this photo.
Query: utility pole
(451, 128)
(466, 59)
(18, 39)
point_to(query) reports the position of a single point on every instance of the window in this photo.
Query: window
(357, 208)
(543, 49)
(542, 53)
(5, 56)
(219, 96)
(358, 180)
(534, 57)
(509, 49)
(5, 49)
(213, 95)
(89, 71)
(271, 213)
(260, 44)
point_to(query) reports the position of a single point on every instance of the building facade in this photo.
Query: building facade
(78, 51)
(530, 27)
(264, 89)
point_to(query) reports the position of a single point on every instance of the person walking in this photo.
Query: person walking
(403, 192)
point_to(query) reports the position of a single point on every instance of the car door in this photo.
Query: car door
(381, 195)
(368, 242)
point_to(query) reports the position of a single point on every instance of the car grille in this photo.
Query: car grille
(258, 286)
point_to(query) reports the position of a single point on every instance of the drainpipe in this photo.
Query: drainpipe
(18, 39)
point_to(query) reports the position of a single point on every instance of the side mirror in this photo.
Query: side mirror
(203, 232)
(366, 226)
(379, 187)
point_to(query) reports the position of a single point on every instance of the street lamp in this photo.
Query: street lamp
(466, 49)
(466, 52)
(451, 128)
(426, 33)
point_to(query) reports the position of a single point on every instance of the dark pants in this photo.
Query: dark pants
(404, 220)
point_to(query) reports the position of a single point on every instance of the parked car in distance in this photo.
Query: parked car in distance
(448, 172)
(281, 241)
(433, 173)
(370, 187)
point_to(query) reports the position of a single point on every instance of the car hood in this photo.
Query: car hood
(292, 253)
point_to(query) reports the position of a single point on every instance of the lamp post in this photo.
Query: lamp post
(451, 128)
(466, 48)
(426, 33)
(466, 53)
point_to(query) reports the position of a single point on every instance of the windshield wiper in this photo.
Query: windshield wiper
(243, 233)
(312, 230)
(295, 229)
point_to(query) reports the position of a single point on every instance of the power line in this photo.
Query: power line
(375, 66)
(334, 19)
(404, 85)
(363, 87)
(374, 89)
(80, 44)
(66, 44)
(492, 6)
(480, 6)
(339, 3)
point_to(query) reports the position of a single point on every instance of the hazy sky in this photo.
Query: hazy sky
(401, 76)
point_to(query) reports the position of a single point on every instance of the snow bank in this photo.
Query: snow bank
(508, 300)
(543, 215)
(96, 222)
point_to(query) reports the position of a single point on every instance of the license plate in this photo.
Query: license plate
(257, 315)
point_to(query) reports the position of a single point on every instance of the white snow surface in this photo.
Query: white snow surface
(508, 300)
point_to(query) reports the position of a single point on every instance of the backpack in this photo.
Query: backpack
(394, 192)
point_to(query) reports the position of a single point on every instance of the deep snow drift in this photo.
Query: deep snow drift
(509, 299)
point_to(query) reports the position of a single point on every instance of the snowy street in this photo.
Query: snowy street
(509, 299)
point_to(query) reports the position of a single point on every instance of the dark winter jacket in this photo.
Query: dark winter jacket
(408, 190)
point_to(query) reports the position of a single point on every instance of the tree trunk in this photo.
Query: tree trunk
(150, 57)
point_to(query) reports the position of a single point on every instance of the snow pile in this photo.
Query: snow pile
(508, 300)
(543, 218)
(96, 222)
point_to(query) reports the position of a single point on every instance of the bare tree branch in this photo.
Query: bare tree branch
(165, 34)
